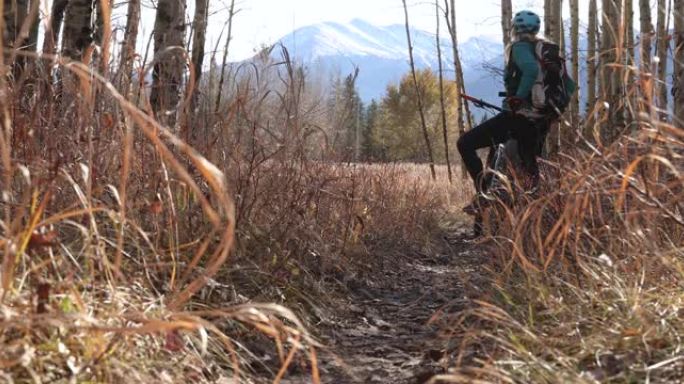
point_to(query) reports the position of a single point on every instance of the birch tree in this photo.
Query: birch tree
(54, 25)
(661, 53)
(629, 58)
(552, 20)
(552, 30)
(646, 46)
(506, 21)
(128, 44)
(14, 13)
(628, 25)
(78, 28)
(199, 26)
(646, 35)
(592, 58)
(610, 74)
(20, 22)
(462, 109)
(574, 47)
(419, 98)
(167, 75)
(442, 101)
(34, 15)
(678, 89)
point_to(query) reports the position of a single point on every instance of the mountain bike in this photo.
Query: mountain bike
(505, 181)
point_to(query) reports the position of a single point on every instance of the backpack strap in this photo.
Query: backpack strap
(538, 47)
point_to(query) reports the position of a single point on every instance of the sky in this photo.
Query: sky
(263, 22)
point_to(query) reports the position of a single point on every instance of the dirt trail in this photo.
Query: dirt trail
(385, 335)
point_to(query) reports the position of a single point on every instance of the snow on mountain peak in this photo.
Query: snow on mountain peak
(381, 52)
(357, 38)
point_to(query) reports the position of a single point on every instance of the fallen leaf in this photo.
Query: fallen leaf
(42, 240)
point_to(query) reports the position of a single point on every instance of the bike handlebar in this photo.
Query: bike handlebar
(481, 103)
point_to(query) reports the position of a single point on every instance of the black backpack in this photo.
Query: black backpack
(552, 92)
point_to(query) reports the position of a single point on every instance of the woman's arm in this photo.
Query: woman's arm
(524, 58)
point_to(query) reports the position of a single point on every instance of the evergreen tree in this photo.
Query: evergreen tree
(369, 148)
(345, 116)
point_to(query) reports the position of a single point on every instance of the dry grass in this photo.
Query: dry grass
(137, 252)
(134, 251)
(586, 279)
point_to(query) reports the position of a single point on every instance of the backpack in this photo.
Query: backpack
(553, 89)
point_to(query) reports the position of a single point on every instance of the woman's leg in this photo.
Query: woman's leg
(491, 132)
(530, 136)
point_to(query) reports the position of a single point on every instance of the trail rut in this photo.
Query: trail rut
(389, 332)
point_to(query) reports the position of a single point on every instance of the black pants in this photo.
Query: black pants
(497, 130)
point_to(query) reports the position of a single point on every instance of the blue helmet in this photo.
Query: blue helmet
(526, 22)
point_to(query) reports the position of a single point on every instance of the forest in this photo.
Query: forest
(169, 216)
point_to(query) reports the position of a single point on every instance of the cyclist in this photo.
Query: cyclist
(519, 119)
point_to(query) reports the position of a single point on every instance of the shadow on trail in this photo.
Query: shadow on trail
(389, 331)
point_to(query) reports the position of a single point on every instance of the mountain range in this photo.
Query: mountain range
(381, 54)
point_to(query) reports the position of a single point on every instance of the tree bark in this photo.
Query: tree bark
(200, 27)
(592, 58)
(646, 35)
(646, 46)
(548, 16)
(462, 109)
(553, 29)
(14, 13)
(419, 96)
(574, 47)
(678, 90)
(128, 45)
(20, 19)
(506, 21)
(78, 28)
(32, 44)
(52, 31)
(630, 98)
(442, 101)
(628, 17)
(167, 75)
(661, 53)
(103, 33)
(610, 76)
(552, 20)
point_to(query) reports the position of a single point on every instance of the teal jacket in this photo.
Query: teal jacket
(521, 71)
